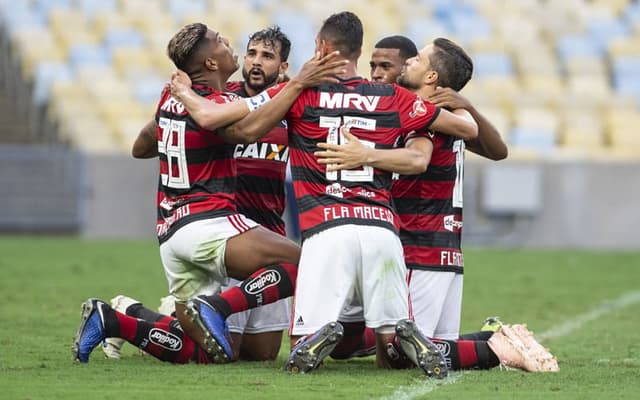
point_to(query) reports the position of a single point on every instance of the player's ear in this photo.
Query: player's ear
(284, 66)
(211, 64)
(431, 78)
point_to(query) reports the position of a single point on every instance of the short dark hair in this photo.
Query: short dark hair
(185, 44)
(272, 36)
(452, 63)
(406, 46)
(344, 31)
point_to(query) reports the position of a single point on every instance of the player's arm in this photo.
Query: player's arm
(267, 115)
(489, 143)
(458, 123)
(246, 126)
(208, 114)
(412, 159)
(146, 144)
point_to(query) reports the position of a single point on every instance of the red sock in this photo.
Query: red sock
(358, 341)
(265, 286)
(467, 354)
(161, 339)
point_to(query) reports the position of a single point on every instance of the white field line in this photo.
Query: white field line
(566, 328)
(596, 312)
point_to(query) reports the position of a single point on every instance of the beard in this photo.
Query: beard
(406, 83)
(267, 80)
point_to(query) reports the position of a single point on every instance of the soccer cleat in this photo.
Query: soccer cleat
(491, 324)
(112, 347)
(91, 330)
(515, 347)
(422, 351)
(309, 352)
(213, 326)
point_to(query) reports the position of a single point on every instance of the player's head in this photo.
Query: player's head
(198, 50)
(388, 57)
(266, 58)
(343, 32)
(441, 63)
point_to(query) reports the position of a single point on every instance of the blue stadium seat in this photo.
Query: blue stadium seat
(470, 27)
(21, 16)
(148, 89)
(540, 140)
(602, 30)
(123, 37)
(492, 65)
(86, 54)
(91, 8)
(45, 74)
(422, 31)
(180, 8)
(46, 6)
(578, 46)
(625, 74)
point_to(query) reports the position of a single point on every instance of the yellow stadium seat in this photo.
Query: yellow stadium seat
(586, 66)
(625, 46)
(581, 129)
(130, 62)
(111, 20)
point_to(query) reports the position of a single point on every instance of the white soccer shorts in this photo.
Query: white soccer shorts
(436, 302)
(193, 258)
(350, 264)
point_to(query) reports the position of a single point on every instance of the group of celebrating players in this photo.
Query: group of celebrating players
(376, 168)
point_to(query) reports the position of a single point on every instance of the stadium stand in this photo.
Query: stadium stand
(557, 77)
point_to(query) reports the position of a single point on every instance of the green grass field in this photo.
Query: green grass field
(585, 305)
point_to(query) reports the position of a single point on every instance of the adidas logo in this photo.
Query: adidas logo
(299, 321)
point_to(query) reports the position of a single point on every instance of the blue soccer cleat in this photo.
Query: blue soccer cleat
(91, 331)
(213, 326)
(419, 349)
(309, 352)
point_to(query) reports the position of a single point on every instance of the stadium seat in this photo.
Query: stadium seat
(180, 8)
(91, 8)
(128, 37)
(492, 65)
(86, 54)
(45, 74)
(578, 46)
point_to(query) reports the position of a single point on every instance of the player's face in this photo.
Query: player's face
(262, 65)
(223, 52)
(416, 69)
(386, 65)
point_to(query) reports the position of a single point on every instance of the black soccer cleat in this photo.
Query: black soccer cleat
(309, 352)
(422, 351)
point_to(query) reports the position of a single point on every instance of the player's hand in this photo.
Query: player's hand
(320, 70)
(350, 155)
(180, 83)
(448, 98)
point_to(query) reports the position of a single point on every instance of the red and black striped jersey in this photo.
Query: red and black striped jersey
(261, 169)
(197, 169)
(429, 206)
(379, 115)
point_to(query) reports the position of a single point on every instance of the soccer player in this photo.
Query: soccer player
(430, 204)
(203, 239)
(260, 195)
(350, 245)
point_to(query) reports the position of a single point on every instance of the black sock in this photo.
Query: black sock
(482, 335)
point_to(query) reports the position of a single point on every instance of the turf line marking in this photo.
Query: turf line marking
(564, 329)
(596, 312)
(422, 388)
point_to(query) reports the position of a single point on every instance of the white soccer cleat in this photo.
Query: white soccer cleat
(112, 346)
(515, 347)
